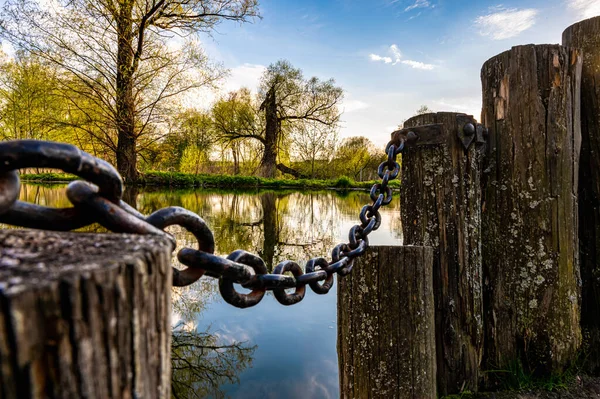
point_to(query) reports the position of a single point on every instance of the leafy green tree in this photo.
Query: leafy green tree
(30, 99)
(355, 155)
(120, 54)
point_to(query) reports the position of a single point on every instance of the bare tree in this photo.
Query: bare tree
(314, 142)
(122, 56)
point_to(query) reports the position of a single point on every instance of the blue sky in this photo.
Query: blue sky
(390, 56)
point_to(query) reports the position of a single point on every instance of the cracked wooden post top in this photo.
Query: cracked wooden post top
(84, 315)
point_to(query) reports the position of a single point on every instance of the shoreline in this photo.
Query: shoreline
(184, 180)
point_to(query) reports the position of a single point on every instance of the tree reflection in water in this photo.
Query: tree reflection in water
(201, 363)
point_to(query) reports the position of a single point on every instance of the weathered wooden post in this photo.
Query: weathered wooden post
(585, 35)
(529, 217)
(440, 207)
(386, 346)
(84, 315)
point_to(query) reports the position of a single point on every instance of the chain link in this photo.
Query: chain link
(100, 202)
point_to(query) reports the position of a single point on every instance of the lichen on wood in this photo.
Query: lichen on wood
(441, 207)
(529, 218)
(386, 345)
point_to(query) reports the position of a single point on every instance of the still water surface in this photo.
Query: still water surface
(273, 351)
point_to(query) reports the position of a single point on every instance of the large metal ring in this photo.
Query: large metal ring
(193, 223)
(327, 284)
(31, 216)
(371, 220)
(283, 297)
(393, 172)
(109, 215)
(201, 263)
(339, 252)
(387, 194)
(10, 188)
(228, 292)
(22, 154)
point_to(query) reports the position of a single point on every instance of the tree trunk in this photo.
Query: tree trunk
(585, 35)
(268, 164)
(386, 343)
(84, 315)
(529, 218)
(236, 161)
(441, 207)
(125, 104)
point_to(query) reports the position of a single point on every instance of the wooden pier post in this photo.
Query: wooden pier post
(386, 345)
(529, 218)
(84, 315)
(585, 35)
(441, 207)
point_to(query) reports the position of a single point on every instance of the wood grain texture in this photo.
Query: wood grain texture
(529, 218)
(84, 315)
(386, 345)
(441, 207)
(585, 35)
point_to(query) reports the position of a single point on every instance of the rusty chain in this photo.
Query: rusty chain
(97, 199)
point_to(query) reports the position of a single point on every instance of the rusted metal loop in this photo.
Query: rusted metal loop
(358, 251)
(337, 267)
(85, 196)
(317, 288)
(193, 223)
(387, 193)
(386, 178)
(271, 282)
(338, 255)
(10, 188)
(354, 236)
(283, 297)
(368, 216)
(373, 225)
(411, 137)
(309, 278)
(22, 154)
(391, 157)
(32, 216)
(394, 170)
(200, 262)
(227, 290)
(130, 209)
(377, 204)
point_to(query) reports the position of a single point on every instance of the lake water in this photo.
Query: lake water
(270, 350)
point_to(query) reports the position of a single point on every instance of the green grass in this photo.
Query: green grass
(515, 377)
(183, 180)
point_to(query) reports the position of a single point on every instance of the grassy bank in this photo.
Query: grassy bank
(184, 180)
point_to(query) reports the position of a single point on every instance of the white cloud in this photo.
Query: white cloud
(418, 65)
(396, 58)
(375, 57)
(418, 4)
(396, 53)
(585, 8)
(507, 23)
